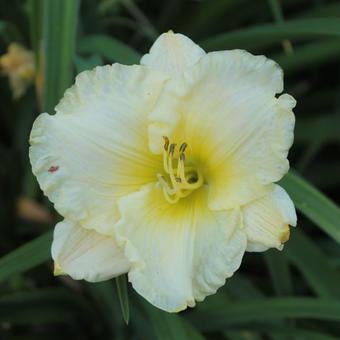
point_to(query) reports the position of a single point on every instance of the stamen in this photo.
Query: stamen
(166, 143)
(183, 147)
(165, 154)
(180, 165)
(181, 181)
(172, 149)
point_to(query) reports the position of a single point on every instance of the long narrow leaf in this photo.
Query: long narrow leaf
(279, 271)
(258, 36)
(107, 306)
(284, 332)
(59, 31)
(312, 203)
(26, 257)
(35, 16)
(267, 309)
(309, 56)
(323, 278)
(170, 326)
(123, 297)
(40, 306)
(109, 48)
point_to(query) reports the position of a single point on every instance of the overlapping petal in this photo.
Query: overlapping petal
(95, 149)
(172, 54)
(237, 131)
(179, 253)
(86, 254)
(267, 220)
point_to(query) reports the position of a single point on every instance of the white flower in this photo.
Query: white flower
(166, 170)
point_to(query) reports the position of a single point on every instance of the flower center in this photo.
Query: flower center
(180, 179)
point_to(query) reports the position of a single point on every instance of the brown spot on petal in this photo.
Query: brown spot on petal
(53, 168)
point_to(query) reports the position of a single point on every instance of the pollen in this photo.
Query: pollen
(180, 178)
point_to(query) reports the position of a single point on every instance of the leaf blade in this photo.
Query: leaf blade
(121, 284)
(266, 309)
(109, 48)
(26, 257)
(261, 35)
(313, 204)
(308, 258)
(59, 31)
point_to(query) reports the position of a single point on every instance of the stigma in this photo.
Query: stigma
(179, 178)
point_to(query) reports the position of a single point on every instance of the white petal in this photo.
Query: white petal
(179, 253)
(86, 254)
(237, 131)
(267, 220)
(172, 54)
(95, 149)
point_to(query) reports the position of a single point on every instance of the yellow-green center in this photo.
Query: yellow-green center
(179, 178)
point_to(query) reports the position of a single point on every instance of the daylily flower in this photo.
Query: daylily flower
(18, 65)
(166, 170)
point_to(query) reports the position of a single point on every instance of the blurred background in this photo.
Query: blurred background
(293, 294)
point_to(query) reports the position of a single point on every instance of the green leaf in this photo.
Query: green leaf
(83, 64)
(59, 32)
(259, 36)
(279, 272)
(242, 335)
(309, 56)
(35, 17)
(313, 204)
(121, 283)
(241, 287)
(282, 331)
(297, 334)
(276, 9)
(170, 326)
(41, 306)
(238, 288)
(323, 278)
(26, 257)
(106, 302)
(109, 48)
(266, 309)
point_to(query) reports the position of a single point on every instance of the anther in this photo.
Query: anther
(172, 148)
(166, 143)
(183, 147)
(182, 157)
